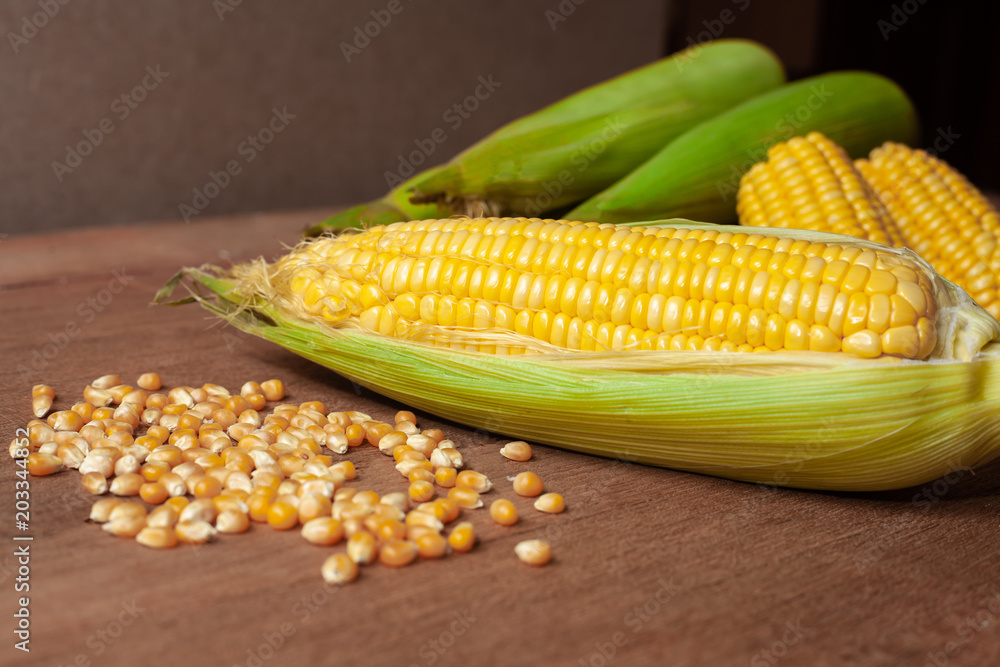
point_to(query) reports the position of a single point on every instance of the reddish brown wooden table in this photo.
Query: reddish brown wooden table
(653, 566)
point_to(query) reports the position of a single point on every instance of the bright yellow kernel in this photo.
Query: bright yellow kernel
(431, 545)
(503, 512)
(282, 515)
(421, 491)
(397, 553)
(273, 390)
(150, 381)
(550, 503)
(528, 484)
(462, 537)
(475, 481)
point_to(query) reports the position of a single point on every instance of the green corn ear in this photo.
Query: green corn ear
(698, 174)
(574, 148)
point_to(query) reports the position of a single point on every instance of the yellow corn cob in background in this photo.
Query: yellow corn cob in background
(810, 183)
(512, 286)
(941, 216)
(899, 196)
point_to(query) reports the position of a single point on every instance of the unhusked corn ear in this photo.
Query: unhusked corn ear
(941, 216)
(517, 285)
(811, 183)
(697, 175)
(616, 125)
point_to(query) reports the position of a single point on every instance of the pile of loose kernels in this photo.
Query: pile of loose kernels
(240, 466)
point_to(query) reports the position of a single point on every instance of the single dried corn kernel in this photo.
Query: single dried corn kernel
(282, 515)
(516, 451)
(465, 498)
(462, 537)
(41, 464)
(273, 390)
(528, 484)
(361, 547)
(157, 537)
(339, 569)
(125, 526)
(397, 553)
(475, 481)
(421, 491)
(195, 531)
(126, 485)
(232, 521)
(323, 530)
(503, 512)
(534, 552)
(431, 545)
(100, 512)
(164, 516)
(153, 493)
(551, 503)
(95, 483)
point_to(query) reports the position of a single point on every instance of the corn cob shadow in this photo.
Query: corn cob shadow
(792, 419)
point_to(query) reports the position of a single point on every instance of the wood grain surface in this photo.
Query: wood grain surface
(651, 567)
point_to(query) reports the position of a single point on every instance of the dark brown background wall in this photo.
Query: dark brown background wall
(226, 74)
(223, 72)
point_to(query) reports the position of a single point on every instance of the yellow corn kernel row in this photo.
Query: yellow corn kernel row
(899, 196)
(220, 473)
(513, 286)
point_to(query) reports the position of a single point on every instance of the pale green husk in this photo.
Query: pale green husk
(790, 419)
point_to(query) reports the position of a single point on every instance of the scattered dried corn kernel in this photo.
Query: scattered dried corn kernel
(421, 491)
(361, 547)
(157, 537)
(462, 537)
(273, 390)
(41, 464)
(476, 481)
(195, 532)
(465, 498)
(339, 569)
(503, 512)
(100, 511)
(95, 483)
(516, 451)
(232, 521)
(397, 552)
(528, 484)
(551, 503)
(153, 493)
(431, 545)
(534, 552)
(282, 515)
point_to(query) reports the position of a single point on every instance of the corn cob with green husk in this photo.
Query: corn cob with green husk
(574, 148)
(899, 196)
(789, 357)
(697, 175)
